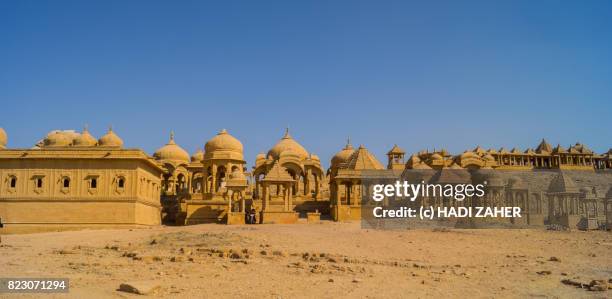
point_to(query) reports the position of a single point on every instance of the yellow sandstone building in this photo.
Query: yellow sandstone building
(73, 180)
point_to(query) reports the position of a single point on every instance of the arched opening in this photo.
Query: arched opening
(196, 182)
(295, 183)
(13, 182)
(39, 183)
(121, 183)
(180, 183)
(220, 178)
(66, 182)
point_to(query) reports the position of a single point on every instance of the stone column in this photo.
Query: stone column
(229, 202)
(357, 196)
(337, 193)
(266, 197)
(290, 200)
(308, 174)
(213, 184)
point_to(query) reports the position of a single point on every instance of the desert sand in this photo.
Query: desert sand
(327, 260)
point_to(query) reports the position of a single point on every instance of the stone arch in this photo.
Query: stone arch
(220, 179)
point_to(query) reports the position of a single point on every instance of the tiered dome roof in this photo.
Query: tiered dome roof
(468, 155)
(396, 150)
(559, 149)
(288, 144)
(562, 183)
(343, 155)
(172, 152)
(223, 142)
(362, 159)
(488, 157)
(224, 145)
(110, 139)
(544, 147)
(436, 157)
(580, 148)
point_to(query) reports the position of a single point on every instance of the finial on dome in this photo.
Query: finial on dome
(348, 146)
(110, 128)
(287, 133)
(223, 131)
(171, 141)
(85, 128)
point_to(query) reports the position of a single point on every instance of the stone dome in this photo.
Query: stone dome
(85, 139)
(343, 155)
(290, 154)
(3, 138)
(57, 139)
(436, 156)
(198, 156)
(110, 139)
(172, 152)
(467, 155)
(414, 159)
(223, 142)
(287, 143)
(488, 157)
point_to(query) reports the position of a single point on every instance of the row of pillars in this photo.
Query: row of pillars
(544, 161)
(286, 190)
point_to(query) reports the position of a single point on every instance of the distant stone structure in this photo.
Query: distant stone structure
(71, 179)
(576, 157)
(348, 168)
(305, 189)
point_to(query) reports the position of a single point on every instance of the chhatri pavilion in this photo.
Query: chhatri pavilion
(71, 179)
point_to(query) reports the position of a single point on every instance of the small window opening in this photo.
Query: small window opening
(39, 183)
(94, 183)
(13, 183)
(121, 183)
(66, 183)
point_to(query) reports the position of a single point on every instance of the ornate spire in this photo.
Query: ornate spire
(287, 136)
(171, 138)
(348, 143)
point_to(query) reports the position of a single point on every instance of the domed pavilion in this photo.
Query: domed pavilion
(303, 167)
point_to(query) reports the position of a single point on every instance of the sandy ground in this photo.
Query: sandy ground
(328, 260)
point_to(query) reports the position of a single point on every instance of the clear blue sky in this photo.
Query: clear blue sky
(420, 74)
